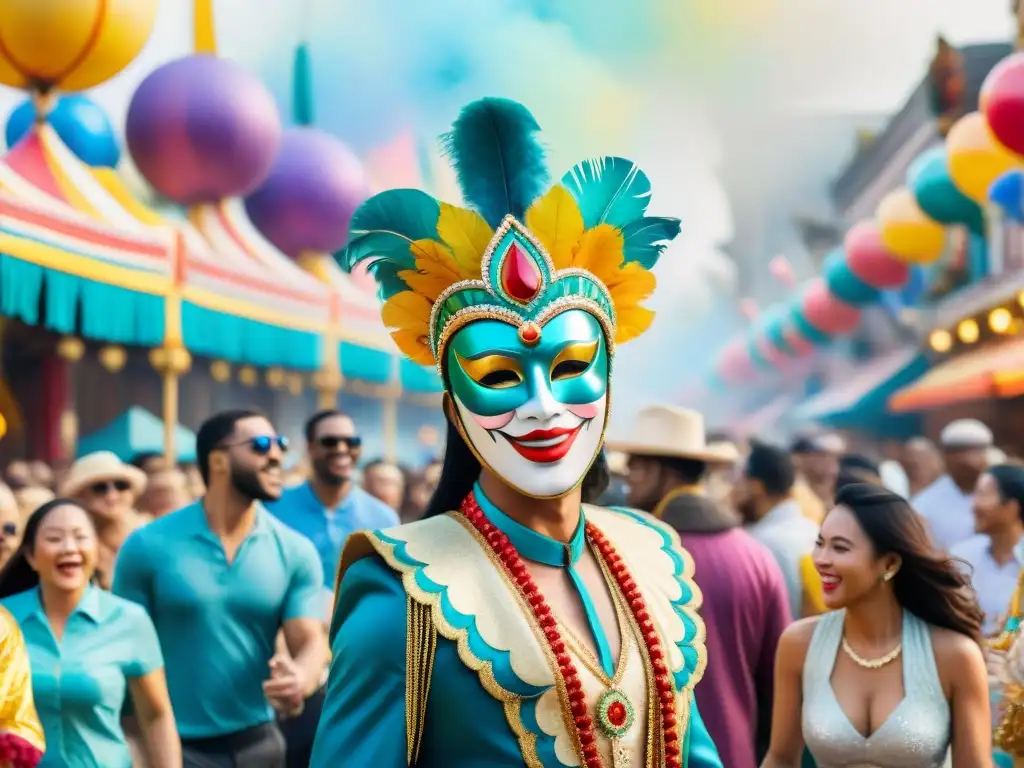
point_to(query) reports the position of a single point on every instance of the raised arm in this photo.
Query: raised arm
(787, 741)
(363, 720)
(20, 732)
(962, 670)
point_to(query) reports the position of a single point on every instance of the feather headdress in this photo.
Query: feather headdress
(523, 253)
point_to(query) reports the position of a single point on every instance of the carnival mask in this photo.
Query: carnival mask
(520, 299)
(534, 414)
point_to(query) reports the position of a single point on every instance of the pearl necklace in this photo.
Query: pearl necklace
(878, 663)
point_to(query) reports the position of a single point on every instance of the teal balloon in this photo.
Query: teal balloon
(843, 283)
(773, 325)
(929, 180)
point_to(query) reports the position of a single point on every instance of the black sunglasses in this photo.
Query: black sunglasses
(9, 529)
(262, 444)
(330, 442)
(103, 488)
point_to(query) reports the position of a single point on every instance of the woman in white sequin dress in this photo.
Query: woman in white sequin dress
(893, 676)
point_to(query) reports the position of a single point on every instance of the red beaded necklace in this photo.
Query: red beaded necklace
(509, 557)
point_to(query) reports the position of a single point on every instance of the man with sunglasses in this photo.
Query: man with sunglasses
(220, 578)
(330, 506)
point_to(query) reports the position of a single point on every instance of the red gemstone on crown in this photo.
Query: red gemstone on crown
(520, 276)
(529, 333)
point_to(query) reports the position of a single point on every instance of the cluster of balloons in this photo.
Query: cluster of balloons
(201, 129)
(980, 164)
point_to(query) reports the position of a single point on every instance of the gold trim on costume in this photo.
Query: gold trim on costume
(420, 647)
(675, 493)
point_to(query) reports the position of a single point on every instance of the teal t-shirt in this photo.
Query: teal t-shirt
(218, 621)
(80, 683)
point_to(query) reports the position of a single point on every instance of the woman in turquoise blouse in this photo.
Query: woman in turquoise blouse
(86, 648)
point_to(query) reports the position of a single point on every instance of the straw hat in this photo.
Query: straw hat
(97, 467)
(671, 432)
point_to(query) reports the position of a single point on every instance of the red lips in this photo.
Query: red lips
(546, 454)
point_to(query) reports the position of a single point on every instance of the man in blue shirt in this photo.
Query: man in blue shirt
(220, 578)
(330, 506)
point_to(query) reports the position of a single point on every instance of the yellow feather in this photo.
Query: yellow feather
(415, 346)
(428, 284)
(600, 250)
(467, 235)
(556, 221)
(631, 322)
(407, 311)
(630, 285)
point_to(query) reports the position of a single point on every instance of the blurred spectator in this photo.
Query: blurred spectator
(194, 478)
(419, 490)
(40, 474)
(617, 492)
(11, 524)
(108, 489)
(18, 475)
(166, 491)
(816, 458)
(946, 504)
(596, 481)
(32, 498)
(763, 495)
(861, 466)
(149, 461)
(994, 554)
(385, 481)
(922, 463)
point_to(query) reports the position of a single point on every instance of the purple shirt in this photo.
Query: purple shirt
(746, 608)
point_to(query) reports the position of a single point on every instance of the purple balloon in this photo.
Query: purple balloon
(308, 199)
(201, 129)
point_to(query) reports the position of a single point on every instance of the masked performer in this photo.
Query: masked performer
(514, 625)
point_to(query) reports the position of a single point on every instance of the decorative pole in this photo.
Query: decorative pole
(171, 360)
(203, 30)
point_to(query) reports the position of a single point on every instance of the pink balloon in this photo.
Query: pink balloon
(869, 260)
(801, 347)
(771, 353)
(734, 364)
(749, 308)
(781, 270)
(827, 313)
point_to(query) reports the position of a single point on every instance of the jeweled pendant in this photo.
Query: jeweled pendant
(615, 714)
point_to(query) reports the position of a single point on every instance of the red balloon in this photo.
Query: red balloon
(1002, 101)
(869, 260)
(734, 364)
(827, 313)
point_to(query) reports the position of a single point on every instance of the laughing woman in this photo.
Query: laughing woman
(86, 647)
(893, 676)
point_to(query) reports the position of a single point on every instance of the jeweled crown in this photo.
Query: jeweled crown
(521, 255)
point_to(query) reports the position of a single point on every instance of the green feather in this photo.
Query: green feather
(499, 163)
(645, 239)
(388, 281)
(609, 190)
(386, 225)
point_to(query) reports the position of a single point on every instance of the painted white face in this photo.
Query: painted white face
(535, 415)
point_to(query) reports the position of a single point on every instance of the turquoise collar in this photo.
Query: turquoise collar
(530, 544)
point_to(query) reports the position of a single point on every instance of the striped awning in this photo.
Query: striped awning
(994, 371)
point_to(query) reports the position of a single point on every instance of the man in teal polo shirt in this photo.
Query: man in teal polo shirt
(220, 578)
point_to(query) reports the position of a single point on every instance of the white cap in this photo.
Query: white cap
(965, 433)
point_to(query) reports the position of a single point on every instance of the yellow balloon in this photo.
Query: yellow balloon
(906, 231)
(70, 44)
(976, 158)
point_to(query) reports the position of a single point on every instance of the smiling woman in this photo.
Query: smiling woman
(893, 676)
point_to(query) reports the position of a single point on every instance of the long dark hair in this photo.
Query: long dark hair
(929, 584)
(460, 470)
(17, 575)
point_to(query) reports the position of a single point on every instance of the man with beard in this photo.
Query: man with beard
(330, 506)
(220, 578)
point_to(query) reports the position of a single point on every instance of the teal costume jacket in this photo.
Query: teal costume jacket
(492, 702)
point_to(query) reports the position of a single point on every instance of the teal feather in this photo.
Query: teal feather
(386, 225)
(608, 190)
(385, 273)
(499, 163)
(644, 239)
